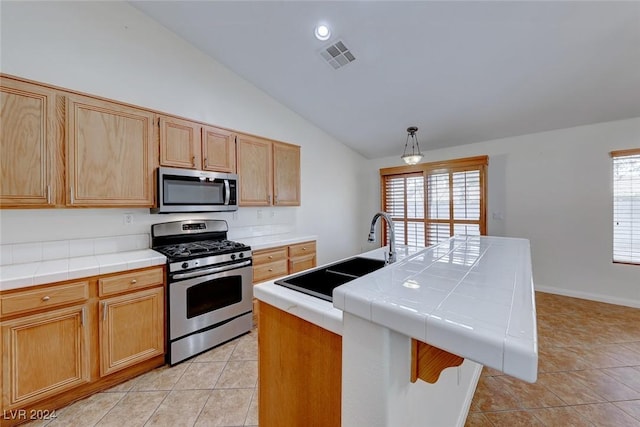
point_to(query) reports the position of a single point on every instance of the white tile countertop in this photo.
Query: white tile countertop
(38, 263)
(470, 295)
(315, 310)
(274, 240)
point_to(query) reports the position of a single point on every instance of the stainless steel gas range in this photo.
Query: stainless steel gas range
(209, 285)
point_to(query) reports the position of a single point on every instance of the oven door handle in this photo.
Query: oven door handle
(180, 276)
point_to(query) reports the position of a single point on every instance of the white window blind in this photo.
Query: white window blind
(626, 206)
(431, 202)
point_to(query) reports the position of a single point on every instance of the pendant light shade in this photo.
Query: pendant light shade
(413, 157)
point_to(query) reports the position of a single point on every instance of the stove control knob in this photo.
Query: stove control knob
(233, 256)
(241, 255)
(185, 265)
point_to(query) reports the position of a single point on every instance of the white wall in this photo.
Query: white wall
(555, 188)
(112, 50)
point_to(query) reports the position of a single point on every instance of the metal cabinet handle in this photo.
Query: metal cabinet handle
(270, 256)
(275, 199)
(271, 269)
(83, 320)
(46, 298)
(134, 281)
(193, 160)
(72, 198)
(304, 249)
(205, 162)
(104, 311)
(48, 194)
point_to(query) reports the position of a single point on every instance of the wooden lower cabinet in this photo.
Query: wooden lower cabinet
(271, 263)
(43, 355)
(300, 371)
(67, 340)
(131, 329)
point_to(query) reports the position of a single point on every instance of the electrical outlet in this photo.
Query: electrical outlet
(128, 219)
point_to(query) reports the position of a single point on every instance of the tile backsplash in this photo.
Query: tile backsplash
(20, 253)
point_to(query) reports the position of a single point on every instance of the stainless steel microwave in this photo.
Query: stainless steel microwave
(186, 190)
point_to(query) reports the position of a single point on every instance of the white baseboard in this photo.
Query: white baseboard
(590, 296)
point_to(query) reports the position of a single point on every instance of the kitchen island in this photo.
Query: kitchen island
(470, 298)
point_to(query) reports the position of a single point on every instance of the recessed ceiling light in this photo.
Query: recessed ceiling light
(322, 32)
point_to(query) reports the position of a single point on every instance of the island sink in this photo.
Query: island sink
(321, 281)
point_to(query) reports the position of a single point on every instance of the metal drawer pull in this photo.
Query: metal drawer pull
(134, 281)
(270, 256)
(304, 249)
(46, 298)
(271, 269)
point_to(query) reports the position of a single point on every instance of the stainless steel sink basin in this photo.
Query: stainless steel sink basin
(321, 281)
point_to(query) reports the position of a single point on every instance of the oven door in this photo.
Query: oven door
(201, 302)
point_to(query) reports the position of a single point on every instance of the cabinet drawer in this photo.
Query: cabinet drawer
(269, 255)
(51, 296)
(301, 263)
(129, 281)
(269, 271)
(300, 249)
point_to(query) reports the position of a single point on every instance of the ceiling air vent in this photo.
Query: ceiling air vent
(337, 55)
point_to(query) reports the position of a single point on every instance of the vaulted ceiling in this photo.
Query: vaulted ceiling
(462, 72)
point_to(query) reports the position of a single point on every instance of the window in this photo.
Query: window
(431, 202)
(626, 206)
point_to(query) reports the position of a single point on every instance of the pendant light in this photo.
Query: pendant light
(415, 156)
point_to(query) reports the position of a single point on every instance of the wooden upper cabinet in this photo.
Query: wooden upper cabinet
(190, 145)
(110, 158)
(180, 142)
(269, 172)
(31, 172)
(286, 174)
(218, 150)
(254, 170)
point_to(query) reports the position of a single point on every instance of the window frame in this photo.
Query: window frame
(466, 164)
(614, 155)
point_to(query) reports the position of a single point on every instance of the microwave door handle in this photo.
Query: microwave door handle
(227, 192)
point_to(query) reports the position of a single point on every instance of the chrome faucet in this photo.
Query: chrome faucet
(392, 235)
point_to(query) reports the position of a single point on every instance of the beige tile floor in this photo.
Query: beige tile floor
(216, 388)
(589, 375)
(588, 371)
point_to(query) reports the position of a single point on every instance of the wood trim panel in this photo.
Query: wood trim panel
(444, 164)
(130, 281)
(44, 298)
(629, 152)
(428, 362)
(300, 371)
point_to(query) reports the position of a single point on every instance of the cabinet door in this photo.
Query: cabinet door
(44, 355)
(218, 150)
(109, 154)
(131, 329)
(30, 143)
(254, 170)
(286, 174)
(180, 142)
